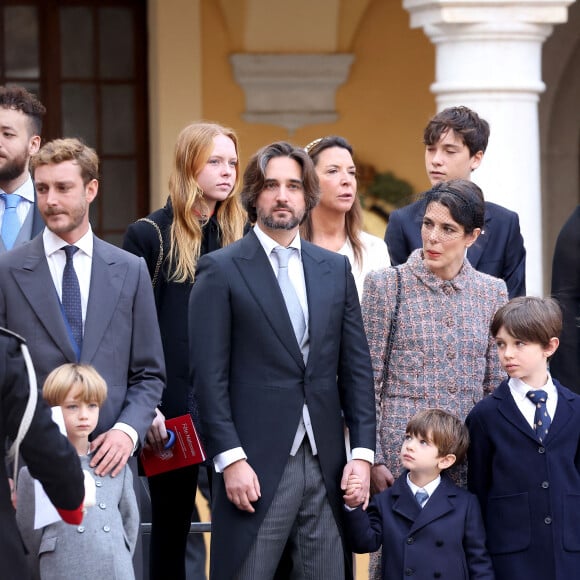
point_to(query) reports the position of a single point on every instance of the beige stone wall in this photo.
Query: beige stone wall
(382, 108)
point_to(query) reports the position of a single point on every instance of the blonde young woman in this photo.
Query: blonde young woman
(336, 222)
(203, 213)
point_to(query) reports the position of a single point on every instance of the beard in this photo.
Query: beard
(278, 223)
(13, 168)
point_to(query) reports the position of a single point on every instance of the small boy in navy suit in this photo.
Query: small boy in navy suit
(428, 527)
(524, 458)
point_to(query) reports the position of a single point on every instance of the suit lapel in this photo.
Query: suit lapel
(35, 282)
(319, 293)
(257, 272)
(107, 278)
(439, 504)
(509, 410)
(562, 415)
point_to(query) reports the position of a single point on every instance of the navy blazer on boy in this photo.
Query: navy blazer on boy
(529, 491)
(444, 539)
(499, 251)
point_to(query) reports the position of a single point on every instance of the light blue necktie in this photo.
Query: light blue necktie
(10, 221)
(542, 419)
(290, 297)
(71, 297)
(421, 496)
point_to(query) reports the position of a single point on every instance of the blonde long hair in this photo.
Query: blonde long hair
(192, 150)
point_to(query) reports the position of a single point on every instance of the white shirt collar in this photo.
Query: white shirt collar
(519, 389)
(429, 488)
(53, 243)
(269, 244)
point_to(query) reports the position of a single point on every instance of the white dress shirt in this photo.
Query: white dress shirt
(82, 262)
(518, 389)
(429, 488)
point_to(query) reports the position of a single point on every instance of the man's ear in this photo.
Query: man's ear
(446, 461)
(476, 160)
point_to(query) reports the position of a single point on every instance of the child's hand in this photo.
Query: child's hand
(353, 485)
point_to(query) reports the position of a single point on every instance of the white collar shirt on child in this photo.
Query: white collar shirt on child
(429, 488)
(518, 389)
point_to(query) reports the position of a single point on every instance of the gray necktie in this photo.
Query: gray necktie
(421, 496)
(290, 297)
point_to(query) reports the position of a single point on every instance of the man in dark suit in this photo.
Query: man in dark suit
(279, 366)
(50, 457)
(112, 324)
(565, 364)
(20, 127)
(455, 142)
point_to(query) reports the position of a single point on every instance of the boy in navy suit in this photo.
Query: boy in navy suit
(428, 527)
(524, 458)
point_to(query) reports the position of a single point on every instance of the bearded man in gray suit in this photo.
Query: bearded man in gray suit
(94, 306)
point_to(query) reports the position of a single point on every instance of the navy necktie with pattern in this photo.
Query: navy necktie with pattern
(71, 297)
(542, 419)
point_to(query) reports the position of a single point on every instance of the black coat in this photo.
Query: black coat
(565, 364)
(50, 457)
(171, 300)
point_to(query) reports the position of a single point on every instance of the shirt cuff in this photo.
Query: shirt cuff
(364, 454)
(351, 509)
(128, 430)
(225, 459)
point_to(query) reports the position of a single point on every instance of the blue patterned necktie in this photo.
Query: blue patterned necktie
(421, 496)
(10, 221)
(71, 297)
(288, 291)
(542, 419)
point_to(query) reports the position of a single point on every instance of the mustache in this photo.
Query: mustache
(53, 211)
(283, 206)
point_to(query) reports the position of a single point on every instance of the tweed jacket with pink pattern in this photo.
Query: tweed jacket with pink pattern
(443, 354)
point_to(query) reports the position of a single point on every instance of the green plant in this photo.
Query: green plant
(390, 188)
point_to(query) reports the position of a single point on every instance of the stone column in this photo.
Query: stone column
(488, 57)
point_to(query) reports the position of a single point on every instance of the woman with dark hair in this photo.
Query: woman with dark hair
(203, 213)
(336, 222)
(427, 323)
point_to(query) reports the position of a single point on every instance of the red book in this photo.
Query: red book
(185, 449)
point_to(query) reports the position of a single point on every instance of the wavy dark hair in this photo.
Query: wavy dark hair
(466, 123)
(19, 99)
(255, 176)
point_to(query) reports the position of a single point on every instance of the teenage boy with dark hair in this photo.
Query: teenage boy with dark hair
(455, 141)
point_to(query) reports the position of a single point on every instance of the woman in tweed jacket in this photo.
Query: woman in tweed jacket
(442, 354)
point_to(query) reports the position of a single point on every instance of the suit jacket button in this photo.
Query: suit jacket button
(439, 543)
(410, 540)
(103, 505)
(541, 450)
(436, 574)
(545, 484)
(81, 529)
(98, 483)
(106, 528)
(548, 520)
(409, 571)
